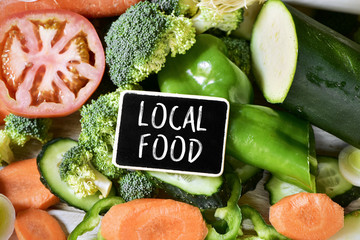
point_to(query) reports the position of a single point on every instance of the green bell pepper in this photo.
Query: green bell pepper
(231, 214)
(263, 230)
(275, 141)
(206, 70)
(92, 217)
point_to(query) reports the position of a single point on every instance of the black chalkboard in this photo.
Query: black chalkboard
(171, 132)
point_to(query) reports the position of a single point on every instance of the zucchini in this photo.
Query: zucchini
(279, 189)
(325, 89)
(48, 162)
(274, 70)
(351, 228)
(200, 191)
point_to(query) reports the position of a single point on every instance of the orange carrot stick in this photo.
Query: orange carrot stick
(307, 216)
(35, 224)
(20, 182)
(88, 8)
(153, 219)
(97, 8)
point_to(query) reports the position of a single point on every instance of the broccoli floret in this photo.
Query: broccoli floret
(138, 42)
(219, 14)
(6, 153)
(187, 8)
(77, 171)
(98, 126)
(135, 185)
(20, 129)
(239, 53)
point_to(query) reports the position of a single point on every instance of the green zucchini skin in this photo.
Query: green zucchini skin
(347, 197)
(326, 85)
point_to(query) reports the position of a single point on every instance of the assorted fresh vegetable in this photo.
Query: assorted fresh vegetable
(48, 161)
(52, 61)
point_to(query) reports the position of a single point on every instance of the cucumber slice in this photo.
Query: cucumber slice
(48, 162)
(351, 228)
(7, 217)
(329, 180)
(193, 184)
(279, 189)
(349, 164)
(274, 50)
(202, 192)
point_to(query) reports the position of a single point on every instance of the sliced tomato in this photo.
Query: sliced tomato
(3, 113)
(51, 62)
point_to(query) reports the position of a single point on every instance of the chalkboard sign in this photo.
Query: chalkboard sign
(171, 132)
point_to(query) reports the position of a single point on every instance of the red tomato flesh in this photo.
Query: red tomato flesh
(51, 63)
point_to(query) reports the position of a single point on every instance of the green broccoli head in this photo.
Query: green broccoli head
(223, 15)
(135, 185)
(238, 51)
(187, 8)
(21, 129)
(98, 126)
(76, 170)
(6, 154)
(138, 42)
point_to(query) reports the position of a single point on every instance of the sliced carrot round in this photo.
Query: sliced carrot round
(159, 219)
(20, 183)
(307, 216)
(35, 224)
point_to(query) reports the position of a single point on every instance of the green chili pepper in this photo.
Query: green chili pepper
(263, 230)
(231, 214)
(92, 217)
(206, 70)
(275, 141)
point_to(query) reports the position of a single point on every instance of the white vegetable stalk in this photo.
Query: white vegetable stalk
(228, 5)
(349, 164)
(102, 183)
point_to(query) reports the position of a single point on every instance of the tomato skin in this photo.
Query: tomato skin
(51, 62)
(3, 113)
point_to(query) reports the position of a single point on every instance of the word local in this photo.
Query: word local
(178, 143)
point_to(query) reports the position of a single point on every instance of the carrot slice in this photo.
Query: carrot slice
(151, 219)
(35, 224)
(20, 182)
(307, 216)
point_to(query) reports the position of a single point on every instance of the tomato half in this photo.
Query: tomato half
(51, 63)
